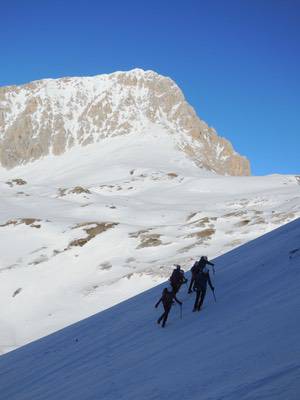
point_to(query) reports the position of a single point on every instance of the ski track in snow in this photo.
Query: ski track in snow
(243, 347)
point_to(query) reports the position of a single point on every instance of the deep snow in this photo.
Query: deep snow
(245, 346)
(167, 211)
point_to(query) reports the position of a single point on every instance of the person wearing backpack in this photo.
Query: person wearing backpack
(194, 271)
(177, 278)
(167, 299)
(200, 285)
(203, 262)
(196, 268)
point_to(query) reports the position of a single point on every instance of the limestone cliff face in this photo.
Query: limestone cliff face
(51, 116)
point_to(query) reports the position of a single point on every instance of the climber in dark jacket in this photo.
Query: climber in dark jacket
(177, 278)
(196, 268)
(200, 285)
(194, 271)
(167, 298)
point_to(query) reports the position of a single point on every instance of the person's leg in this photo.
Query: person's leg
(191, 285)
(197, 300)
(203, 292)
(178, 287)
(167, 310)
(161, 317)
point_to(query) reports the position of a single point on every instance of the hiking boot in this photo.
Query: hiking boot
(194, 309)
(189, 291)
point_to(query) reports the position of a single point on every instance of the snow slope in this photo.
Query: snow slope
(143, 205)
(245, 346)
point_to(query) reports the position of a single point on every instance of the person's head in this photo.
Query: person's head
(177, 266)
(165, 290)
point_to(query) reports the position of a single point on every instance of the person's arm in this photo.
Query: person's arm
(209, 282)
(157, 304)
(183, 278)
(210, 263)
(177, 301)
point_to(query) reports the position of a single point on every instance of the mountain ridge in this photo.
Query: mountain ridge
(50, 116)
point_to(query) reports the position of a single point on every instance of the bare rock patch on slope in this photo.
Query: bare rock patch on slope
(16, 181)
(105, 266)
(92, 229)
(200, 222)
(202, 235)
(76, 190)
(282, 217)
(39, 260)
(16, 292)
(243, 222)
(33, 222)
(146, 238)
(149, 240)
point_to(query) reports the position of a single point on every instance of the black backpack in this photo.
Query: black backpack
(195, 268)
(176, 277)
(201, 279)
(167, 298)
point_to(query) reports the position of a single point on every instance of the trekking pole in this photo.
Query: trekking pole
(214, 296)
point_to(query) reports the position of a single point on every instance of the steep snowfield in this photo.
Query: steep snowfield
(244, 347)
(68, 252)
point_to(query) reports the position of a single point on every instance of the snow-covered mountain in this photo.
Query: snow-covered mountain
(244, 347)
(51, 116)
(98, 224)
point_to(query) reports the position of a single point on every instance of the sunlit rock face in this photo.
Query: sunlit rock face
(52, 115)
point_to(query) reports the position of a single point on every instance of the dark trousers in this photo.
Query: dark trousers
(164, 316)
(191, 287)
(175, 287)
(201, 292)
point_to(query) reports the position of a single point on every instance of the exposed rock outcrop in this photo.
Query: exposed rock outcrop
(50, 116)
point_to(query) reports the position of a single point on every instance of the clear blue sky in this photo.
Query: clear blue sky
(237, 62)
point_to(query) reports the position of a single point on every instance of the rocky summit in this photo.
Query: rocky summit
(51, 116)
